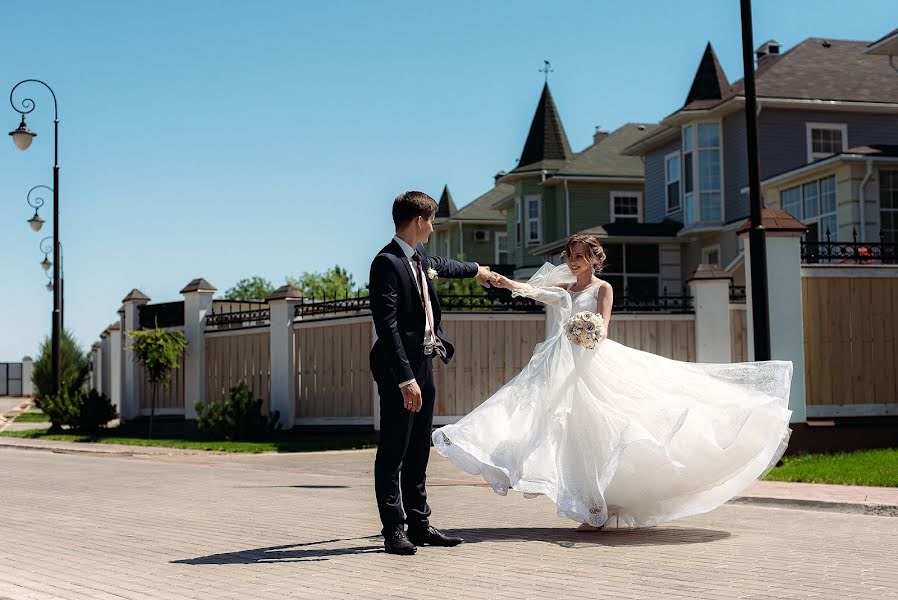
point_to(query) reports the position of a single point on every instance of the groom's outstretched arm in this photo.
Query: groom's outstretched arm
(456, 269)
(383, 286)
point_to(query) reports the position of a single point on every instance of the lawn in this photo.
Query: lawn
(32, 417)
(297, 443)
(862, 467)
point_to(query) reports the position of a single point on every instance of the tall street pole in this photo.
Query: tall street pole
(756, 235)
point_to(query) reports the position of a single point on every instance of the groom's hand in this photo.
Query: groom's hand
(411, 397)
(484, 276)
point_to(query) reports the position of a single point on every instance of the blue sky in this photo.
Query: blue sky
(228, 139)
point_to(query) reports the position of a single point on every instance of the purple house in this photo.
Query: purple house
(828, 145)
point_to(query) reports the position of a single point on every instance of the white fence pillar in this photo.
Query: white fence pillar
(27, 369)
(282, 304)
(710, 287)
(783, 253)
(115, 366)
(197, 302)
(103, 373)
(130, 401)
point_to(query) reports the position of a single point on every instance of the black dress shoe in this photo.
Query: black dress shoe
(431, 536)
(397, 542)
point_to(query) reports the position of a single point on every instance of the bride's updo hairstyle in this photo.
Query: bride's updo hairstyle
(594, 247)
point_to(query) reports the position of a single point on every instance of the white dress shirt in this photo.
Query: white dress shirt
(421, 283)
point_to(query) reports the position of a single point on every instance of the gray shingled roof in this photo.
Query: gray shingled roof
(547, 145)
(446, 206)
(710, 82)
(815, 69)
(605, 158)
(481, 208)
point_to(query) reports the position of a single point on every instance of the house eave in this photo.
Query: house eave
(558, 178)
(821, 165)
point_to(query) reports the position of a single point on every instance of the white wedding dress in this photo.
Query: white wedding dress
(620, 437)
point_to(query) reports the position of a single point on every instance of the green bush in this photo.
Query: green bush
(238, 418)
(75, 367)
(83, 411)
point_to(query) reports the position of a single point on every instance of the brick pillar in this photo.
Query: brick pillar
(197, 302)
(710, 287)
(282, 304)
(783, 250)
(130, 401)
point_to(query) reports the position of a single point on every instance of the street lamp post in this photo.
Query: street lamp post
(22, 138)
(756, 235)
(45, 264)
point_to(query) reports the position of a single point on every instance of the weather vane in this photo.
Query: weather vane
(547, 68)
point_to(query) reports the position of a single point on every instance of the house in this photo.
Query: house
(827, 121)
(476, 231)
(557, 192)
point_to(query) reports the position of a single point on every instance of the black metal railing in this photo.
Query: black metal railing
(853, 252)
(163, 314)
(737, 294)
(664, 303)
(237, 313)
(500, 302)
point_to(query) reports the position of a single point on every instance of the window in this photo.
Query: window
(501, 248)
(626, 206)
(888, 206)
(826, 139)
(711, 255)
(702, 179)
(519, 219)
(814, 204)
(633, 270)
(672, 181)
(534, 222)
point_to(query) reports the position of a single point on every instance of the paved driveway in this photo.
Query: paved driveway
(305, 526)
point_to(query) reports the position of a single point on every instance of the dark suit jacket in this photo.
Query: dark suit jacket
(399, 314)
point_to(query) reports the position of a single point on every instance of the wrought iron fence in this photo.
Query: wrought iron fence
(853, 252)
(237, 313)
(737, 294)
(642, 303)
(164, 314)
(501, 302)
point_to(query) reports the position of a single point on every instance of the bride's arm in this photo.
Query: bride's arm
(547, 295)
(604, 300)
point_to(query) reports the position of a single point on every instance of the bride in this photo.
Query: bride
(617, 437)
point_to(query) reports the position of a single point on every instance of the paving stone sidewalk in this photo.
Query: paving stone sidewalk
(305, 526)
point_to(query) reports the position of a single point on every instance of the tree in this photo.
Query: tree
(250, 288)
(74, 363)
(324, 286)
(159, 351)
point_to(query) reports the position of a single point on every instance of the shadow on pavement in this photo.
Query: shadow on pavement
(310, 486)
(569, 538)
(287, 553)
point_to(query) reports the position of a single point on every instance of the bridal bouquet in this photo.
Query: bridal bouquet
(585, 329)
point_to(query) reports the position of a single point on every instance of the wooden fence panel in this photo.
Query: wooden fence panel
(850, 333)
(235, 356)
(169, 398)
(738, 334)
(333, 376)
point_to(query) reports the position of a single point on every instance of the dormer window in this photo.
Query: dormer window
(826, 139)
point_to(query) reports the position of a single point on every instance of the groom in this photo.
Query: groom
(406, 314)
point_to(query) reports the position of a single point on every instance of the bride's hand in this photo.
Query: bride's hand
(501, 281)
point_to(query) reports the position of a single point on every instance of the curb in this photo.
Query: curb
(878, 510)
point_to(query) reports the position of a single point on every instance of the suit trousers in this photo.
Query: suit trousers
(403, 450)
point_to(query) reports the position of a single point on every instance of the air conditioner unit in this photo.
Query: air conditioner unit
(481, 235)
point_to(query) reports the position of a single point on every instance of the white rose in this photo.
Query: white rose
(432, 273)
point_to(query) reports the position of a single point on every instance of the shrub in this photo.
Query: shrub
(84, 411)
(74, 362)
(160, 352)
(238, 418)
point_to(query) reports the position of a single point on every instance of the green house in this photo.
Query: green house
(476, 231)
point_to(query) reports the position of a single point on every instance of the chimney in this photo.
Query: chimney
(498, 176)
(767, 50)
(599, 135)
